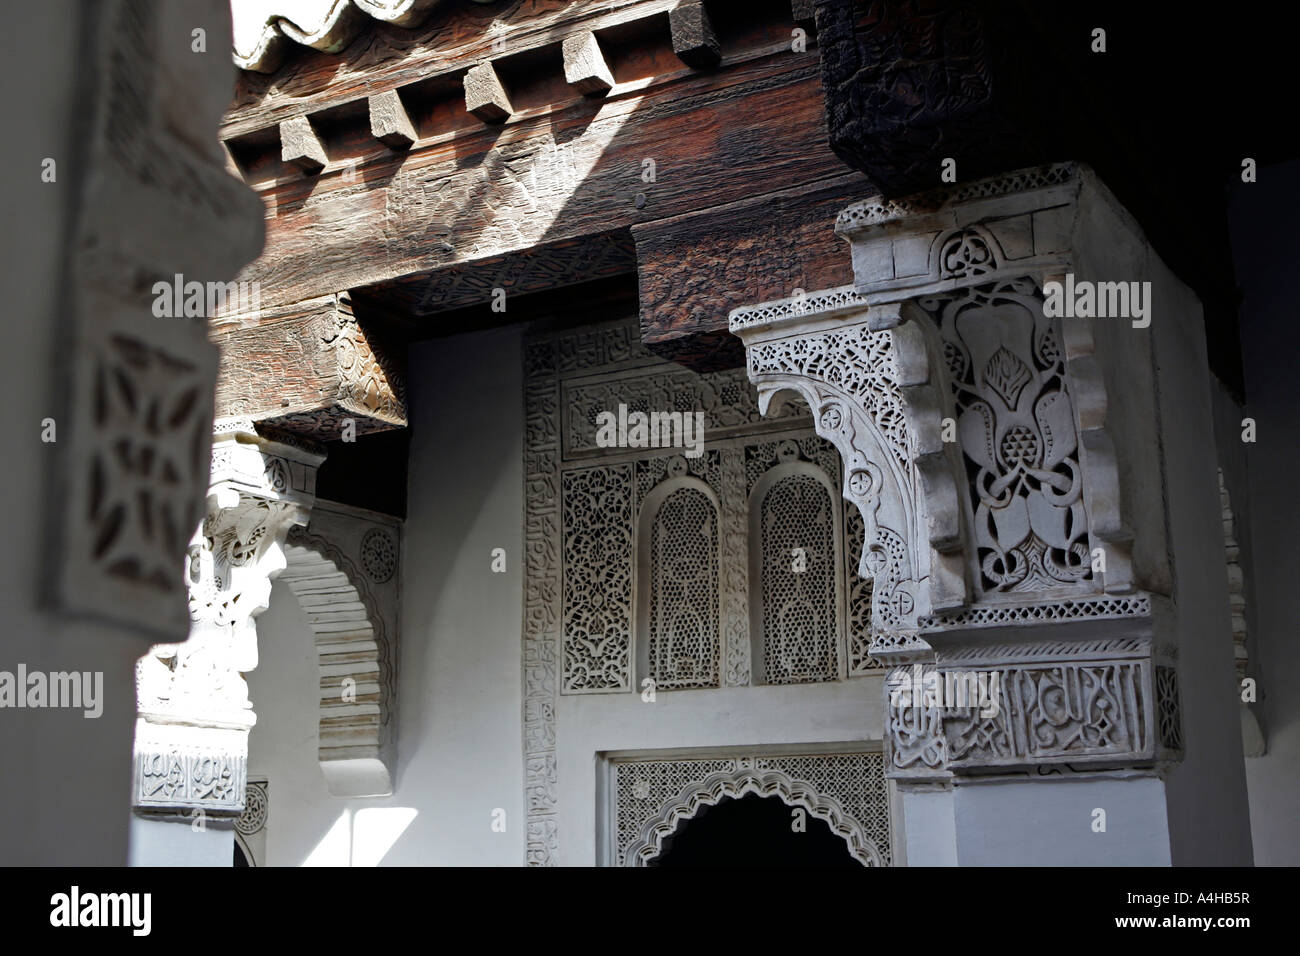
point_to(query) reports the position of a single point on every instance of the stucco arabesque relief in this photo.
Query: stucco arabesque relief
(973, 434)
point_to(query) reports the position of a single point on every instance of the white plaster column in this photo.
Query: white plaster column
(1026, 476)
(194, 714)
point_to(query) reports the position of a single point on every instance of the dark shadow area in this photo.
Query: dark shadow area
(367, 473)
(754, 831)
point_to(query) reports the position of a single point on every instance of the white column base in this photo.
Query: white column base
(176, 841)
(1039, 822)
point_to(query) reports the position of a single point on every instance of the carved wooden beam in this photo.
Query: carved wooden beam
(545, 179)
(492, 283)
(695, 268)
(311, 369)
(443, 47)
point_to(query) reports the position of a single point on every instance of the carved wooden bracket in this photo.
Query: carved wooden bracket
(312, 370)
(695, 268)
(908, 86)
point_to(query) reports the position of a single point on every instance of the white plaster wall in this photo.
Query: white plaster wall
(1050, 823)
(66, 779)
(1266, 250)
(459, 740)
(1208, 816)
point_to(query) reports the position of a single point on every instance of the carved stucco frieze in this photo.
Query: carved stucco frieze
(974, 431)
(193, 708)
(1073, 704)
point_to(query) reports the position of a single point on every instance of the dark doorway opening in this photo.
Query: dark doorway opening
(754, 831)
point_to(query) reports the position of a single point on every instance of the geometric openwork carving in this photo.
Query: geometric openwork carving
(794, 520)
(598, 578)
(651, 798)
(353, 614)
(680, 584)
(1015, 422)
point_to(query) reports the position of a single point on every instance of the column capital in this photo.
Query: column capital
(193, 709)
(969, 401)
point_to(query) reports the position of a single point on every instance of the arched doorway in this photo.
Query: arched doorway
(754, 831)
(652, 799)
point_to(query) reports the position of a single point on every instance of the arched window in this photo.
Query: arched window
(678, 595)
(797, 605)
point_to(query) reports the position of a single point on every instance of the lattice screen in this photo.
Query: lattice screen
(597, 573)
(799, 572)
(700, 578)
(683, 632)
